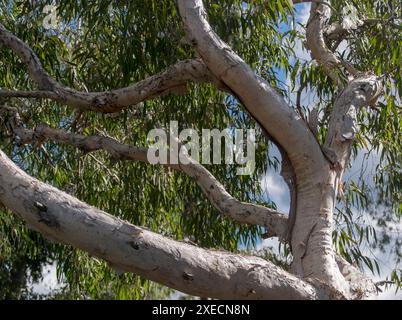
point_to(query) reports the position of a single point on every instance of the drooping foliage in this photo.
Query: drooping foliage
(103, 45)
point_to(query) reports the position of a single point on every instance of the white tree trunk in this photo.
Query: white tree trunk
(318, 273)
(63, 218)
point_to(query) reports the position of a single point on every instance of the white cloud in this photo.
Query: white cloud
(49, 282)
(277, 191)
(275, 187)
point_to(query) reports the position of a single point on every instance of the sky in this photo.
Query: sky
(277, 189)
(278, 192)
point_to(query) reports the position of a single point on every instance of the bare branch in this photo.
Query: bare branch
(4, 93)
(173, 80)
(246, 213)
(337, 31)
(63, 218)
(343, 125)
(266, 105)
(28, 57)
(316, 43)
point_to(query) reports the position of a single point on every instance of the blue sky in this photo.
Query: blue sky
(276, 188)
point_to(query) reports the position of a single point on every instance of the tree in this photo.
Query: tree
(121, 69)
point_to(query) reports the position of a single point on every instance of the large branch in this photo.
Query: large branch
(268, 107)
(175, 77)
(361, 90)
(263, 102)
(247, 213)
(312, 248)
(173, 80)
(338, 31)
(126, 247)
(316, 42)
(343, 126)
(356, 92)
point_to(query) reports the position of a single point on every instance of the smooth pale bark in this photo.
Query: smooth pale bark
(247, 213)
(317, 37)
(312, 233)
(343, 127)
(313, 216)
(63, 218)
(316, 42)
(215, 274)
(361, 286)
(266, 105)
(359, 92)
